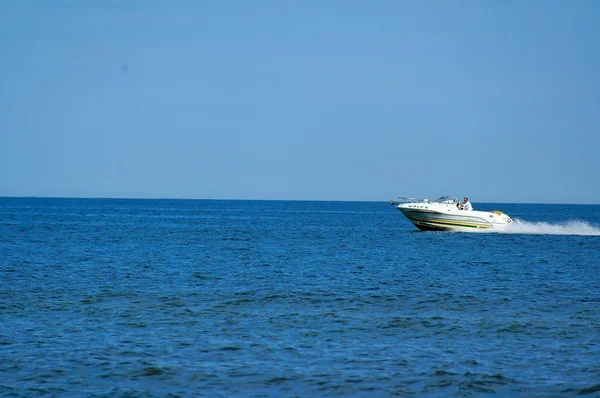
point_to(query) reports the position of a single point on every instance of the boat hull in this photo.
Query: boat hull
(444, 214)
(431, 220)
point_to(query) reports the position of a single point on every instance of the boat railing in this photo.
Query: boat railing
(402, 200)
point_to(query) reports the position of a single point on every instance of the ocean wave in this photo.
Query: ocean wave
(571, 227)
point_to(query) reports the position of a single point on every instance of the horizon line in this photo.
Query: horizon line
(264, 200)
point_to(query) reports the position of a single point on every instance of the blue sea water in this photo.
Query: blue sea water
(106, 297)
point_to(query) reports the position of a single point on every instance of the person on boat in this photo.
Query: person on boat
(466, 205)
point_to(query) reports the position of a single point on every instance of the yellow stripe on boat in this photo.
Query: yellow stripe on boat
(455, 223)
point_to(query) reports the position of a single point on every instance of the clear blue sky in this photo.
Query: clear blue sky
(323, 100)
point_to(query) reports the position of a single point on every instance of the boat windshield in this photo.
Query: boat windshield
(446, 199)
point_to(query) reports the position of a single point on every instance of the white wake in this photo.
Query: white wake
(572, 227)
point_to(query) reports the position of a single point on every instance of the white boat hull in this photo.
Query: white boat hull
(446, 216)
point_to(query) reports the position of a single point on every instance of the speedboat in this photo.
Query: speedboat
(445, 214)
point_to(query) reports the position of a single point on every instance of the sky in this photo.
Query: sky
(301, 99)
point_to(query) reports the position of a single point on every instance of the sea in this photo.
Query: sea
(228, 298)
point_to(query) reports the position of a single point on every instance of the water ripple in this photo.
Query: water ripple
(207, 298)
